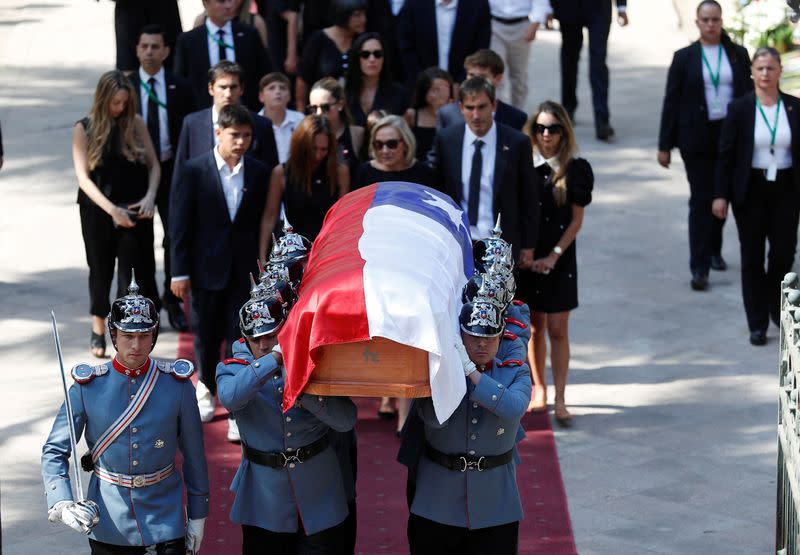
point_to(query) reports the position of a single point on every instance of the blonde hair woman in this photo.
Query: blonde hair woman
(551, 287)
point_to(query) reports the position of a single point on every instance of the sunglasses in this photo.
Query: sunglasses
(365, 54)
(554, 129)
(313, 108)
(391, 144)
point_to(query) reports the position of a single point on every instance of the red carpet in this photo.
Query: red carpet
(382, 511)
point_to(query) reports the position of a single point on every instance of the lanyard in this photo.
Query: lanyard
(714, 78)
(152, 94)
(219, 41)
(773, 129)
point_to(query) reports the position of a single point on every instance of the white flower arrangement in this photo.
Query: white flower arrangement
(755, 18)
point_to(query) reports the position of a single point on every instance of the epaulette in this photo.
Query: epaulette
(235, 361)
(83, 373)
(181, 369)
(509, 335)
(515, 322)
(511, 362)
(518, 302)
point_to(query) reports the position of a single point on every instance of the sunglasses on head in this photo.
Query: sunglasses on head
(365, 54)
(313, 108)
(391, 144)
(554, 129)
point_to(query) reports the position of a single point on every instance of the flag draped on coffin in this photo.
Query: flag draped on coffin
(390, 261)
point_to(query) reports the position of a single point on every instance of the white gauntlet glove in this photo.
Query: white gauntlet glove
(277, 349)
(194, 534)
(81, 516)
(469, 366)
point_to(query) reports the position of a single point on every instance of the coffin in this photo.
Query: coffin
(375, 368)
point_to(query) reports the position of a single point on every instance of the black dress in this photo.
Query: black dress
(393, 98)
(305, 212)
(558, 290)
(321, 58)
(367, 174)
(424, 136)
(347, 153)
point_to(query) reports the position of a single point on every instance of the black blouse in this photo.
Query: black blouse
(322, 58)
(393, 98)
(367, 174)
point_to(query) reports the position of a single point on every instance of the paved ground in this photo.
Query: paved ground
(673, 449)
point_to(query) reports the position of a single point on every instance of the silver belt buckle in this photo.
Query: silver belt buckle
(138, 481)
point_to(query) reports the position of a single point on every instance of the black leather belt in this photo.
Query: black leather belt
(510, 20)
(280, 460)
(462, 463)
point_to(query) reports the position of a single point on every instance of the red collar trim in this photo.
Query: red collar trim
(130, 372)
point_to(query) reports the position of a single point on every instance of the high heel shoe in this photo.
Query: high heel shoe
(98, 345)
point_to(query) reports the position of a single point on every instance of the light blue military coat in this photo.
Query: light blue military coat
(169, 421)
(514, 345)
(485, 423)
(274, 498)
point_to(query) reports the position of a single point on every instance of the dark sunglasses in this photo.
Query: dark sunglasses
(391, 144)
(365, 54)
(312, 108)
(554, 129)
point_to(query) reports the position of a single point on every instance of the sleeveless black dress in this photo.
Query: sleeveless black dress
(424, 136)
(305, 212)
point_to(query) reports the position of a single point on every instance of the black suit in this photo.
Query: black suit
(216, 253)
(763, 210)
(685, 124)
(179, 103)
(515, 183)
(193, 63)
(417, 36)
(573, 16)
(129, 18)
(450, 114)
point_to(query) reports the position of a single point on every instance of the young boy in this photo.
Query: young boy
(273, 93)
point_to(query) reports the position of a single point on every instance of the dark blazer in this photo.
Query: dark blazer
(206, 245)
(192, 62)
(736, 146)
(179, 102)
(516, 187)
(584, 11)
(417, 38)
(197, 137)
(450, 114)
(392, 97)
(684, 117)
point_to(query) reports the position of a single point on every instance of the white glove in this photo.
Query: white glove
(277, 349)
(194, 534)
(469, 366)
(54, 514)
(81, 516)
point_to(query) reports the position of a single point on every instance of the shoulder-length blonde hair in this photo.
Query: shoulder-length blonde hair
(301, 164)
(399, 125)
(101, 123)
(568, 149)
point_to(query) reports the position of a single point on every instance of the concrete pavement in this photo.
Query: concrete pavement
(673, 448)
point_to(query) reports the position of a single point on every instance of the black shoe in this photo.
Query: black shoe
(699, 282)
(758, 338)
(718, 263)
(604, 131)
(177, 319)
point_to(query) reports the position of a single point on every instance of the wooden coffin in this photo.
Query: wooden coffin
(375, 368)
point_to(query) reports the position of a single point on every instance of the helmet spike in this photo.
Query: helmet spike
(497, 231)
(254, 291)
(287, 227)
(133, 288)
(260, 269)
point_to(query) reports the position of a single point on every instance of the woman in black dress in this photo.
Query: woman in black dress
(327, 99)
(369, 84)
(391, 152)
(551, 287)
(434, 89)
(326, 53)
(308, 184)
(118, 175)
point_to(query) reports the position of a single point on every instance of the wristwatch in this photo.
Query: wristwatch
(558, 250)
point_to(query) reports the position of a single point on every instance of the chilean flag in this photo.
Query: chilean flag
(390, 261)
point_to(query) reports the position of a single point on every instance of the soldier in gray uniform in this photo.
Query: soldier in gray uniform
(135, 413)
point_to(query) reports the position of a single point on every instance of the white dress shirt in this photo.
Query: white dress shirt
(717, 100)
(283, 132)
(762, 158)
(534, 10)
(214, 120)
(445, 22)
(213, 47)
(232, 182)
(486, 222)
(397, 5)
(160, 89)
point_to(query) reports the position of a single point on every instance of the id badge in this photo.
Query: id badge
(716, 105)
(772, 171)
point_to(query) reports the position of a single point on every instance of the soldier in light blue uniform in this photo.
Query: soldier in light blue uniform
(466, 499)
(135, 413)
(289, 492)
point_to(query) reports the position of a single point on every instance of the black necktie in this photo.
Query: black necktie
(475, 183)
(152, 117)
(223, 54)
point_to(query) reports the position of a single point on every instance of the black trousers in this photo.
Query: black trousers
(172, 547)
(571, 45)
(129, 18)
(769, 213)
(162, 202)
(258, 541)
(217, 313)
(705, 229)
(433, 538)
(106, 244)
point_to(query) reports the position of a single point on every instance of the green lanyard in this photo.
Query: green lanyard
(152, 94)
(773, 129)
(219, 41)
(714, 78)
